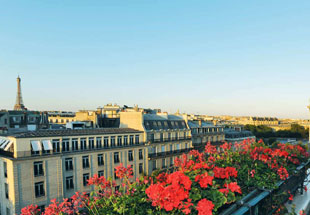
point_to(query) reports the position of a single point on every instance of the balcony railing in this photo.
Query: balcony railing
(172, 139)
(6, 154)
(261, 201)
(158, 155)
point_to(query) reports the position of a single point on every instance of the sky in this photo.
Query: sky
(238, 57)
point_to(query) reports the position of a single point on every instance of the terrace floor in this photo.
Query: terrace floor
(302, 201)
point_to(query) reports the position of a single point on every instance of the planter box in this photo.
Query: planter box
(265, 202)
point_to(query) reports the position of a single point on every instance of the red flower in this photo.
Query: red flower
(220, 173)
(282, 172)
(252, 173)
(210, 149)
(57, 208)
(172, 193)
(204, 180)
(225, 191)
(291, 197)
(234, 187)
(223, 173)
(306, 189)
(122, 172)
(30, 210)
(205, 207)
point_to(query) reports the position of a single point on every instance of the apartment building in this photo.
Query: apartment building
(167, 136)
(237, 136)
(203, 132)
(42, 165)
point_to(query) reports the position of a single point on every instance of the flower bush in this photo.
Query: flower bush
(201, 183)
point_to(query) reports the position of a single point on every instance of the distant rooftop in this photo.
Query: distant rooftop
(195, 124)
(162, 117)
(74, 132)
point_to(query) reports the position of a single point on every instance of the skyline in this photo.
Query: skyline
(241, 58)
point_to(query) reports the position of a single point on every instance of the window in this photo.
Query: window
(119, 140)
(69, 164)
(131, 140)
(163, 163)
(130, 156)
(112, 141)
(140, 154)
(85, 179)
(5, 169)
(140, 168)
(83, 143)
(178, 146)
(170, 148)
(39, 189)
(153, 149)
(100, 160)
(137, 141)
(56, 146)
(161, 137)
(65, 145)
(85, 162)
(162, 148)
(75, 144)
(38, 168)
(6, 188)
(169, 136)
(154, 164)
(69, 183)
(184, 135)
(98, 142)
(125, 140)
(35, 147)
(100, 173)
(106, 142)
(116, 157)
(171, 161)
(186, 145)
(91, 143)
(176, 136)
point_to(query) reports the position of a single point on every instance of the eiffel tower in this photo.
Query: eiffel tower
(19, 105)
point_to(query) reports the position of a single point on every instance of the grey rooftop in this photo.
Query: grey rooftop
(74, 132)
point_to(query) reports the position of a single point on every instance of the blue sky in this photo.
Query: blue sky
(207, 57)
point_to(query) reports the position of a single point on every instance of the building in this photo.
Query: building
(203, 132)
(268, 121)
(60, 117)
(167, 136)
(14, 121)
(237, 136)
(42, 165)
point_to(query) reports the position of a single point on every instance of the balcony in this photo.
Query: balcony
(262, 201)
(164, 140)
(6, 154)
(159, 155)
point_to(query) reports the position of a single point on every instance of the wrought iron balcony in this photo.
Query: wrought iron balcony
(159, 155)
(163, 140)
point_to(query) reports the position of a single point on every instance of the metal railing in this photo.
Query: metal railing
(168, 153)
(6, 154)
(266, 202)
(162, 140)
